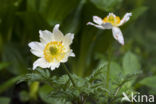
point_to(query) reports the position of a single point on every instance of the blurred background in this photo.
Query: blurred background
(21, 20)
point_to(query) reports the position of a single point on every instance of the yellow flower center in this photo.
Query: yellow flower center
(54, 51)
(114, 20)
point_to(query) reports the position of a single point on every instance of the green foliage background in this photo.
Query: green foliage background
(21, 20)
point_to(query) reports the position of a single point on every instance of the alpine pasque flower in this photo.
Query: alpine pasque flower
(53, 49)
(112, 22)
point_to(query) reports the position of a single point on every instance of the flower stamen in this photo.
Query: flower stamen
(54, 51)
(114, 20)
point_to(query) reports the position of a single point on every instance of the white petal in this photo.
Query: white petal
(68, 39)
(36, 46)
(107, 25)
(98, 26)
(125, 18)
(65, 59)
(41, 62)
(37, 53)
(97, 20)
(112, 14)
(45, 36)
(70, 53)
(54, 66)
(117, 34)
(58, 35)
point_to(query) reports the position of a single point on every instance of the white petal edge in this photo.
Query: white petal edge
(54, 65)
(68, 39)
(45, 36)
(98, 26)
(125, 18)
(111, 14)
(36, 46)
(117, 34)
(58, 35)
(97, 20)
(70, 53)
(41, 62)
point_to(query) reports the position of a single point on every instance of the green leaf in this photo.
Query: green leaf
(149, 81)
(98, 73)
(4, 100)
(44, 73)
(63, 79)
(107, 5)
(115, 71)
(9, 83)
(30, 77)
(130, 63)
(38, 75)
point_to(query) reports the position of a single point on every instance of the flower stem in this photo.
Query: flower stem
(66, 69)
(108, 66)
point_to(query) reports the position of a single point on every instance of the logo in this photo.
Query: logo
(137, 98)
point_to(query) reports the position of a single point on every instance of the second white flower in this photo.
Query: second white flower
(111, 22)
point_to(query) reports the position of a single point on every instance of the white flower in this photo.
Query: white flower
(53, 49)
(111, 22)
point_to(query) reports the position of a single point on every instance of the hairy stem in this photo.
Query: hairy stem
(66, 69)
(108, 66)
